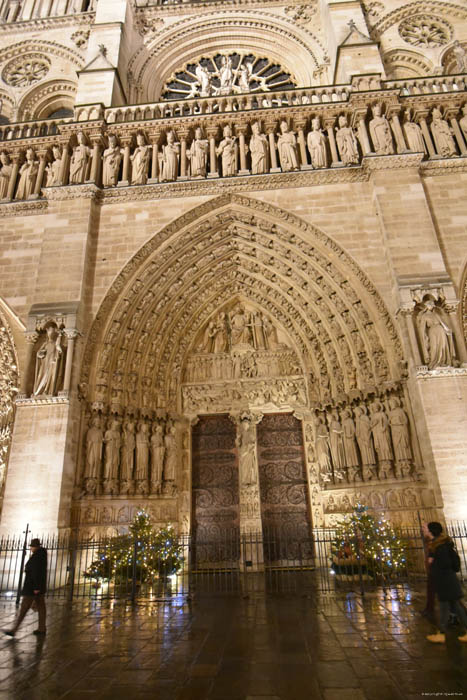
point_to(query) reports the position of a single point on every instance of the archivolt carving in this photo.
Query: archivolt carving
(46, 98)
(231, 247)
(446, 9)
(47, 48)
(400, 63)
(8, 391)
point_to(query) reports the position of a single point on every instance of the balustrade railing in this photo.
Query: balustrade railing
(23, 10)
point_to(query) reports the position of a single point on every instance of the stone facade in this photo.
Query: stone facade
(237, 209)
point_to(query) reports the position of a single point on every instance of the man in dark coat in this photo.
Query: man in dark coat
(34, 588)
(442, 556)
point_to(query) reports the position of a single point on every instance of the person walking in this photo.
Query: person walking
(33, 591)
(444, 563)
(429, 610)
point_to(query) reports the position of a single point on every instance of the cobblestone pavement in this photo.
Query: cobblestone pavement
(261, 647)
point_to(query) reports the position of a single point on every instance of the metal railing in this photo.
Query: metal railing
(274, 561)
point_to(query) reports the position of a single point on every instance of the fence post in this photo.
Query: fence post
(133, 572)
(23, 557)
(73, 547)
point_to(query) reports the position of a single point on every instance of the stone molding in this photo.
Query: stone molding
(42, 400)
(43, 24)
(421, 6)
(422, 372)
(8, 209)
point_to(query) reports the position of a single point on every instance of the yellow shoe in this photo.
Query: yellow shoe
(463, 638)
(438, 638)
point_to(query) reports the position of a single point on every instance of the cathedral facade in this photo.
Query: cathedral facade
(233, 279)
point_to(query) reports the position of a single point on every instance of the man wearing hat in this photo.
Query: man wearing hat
(34, 587)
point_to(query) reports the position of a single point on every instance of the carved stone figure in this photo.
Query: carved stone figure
(111, 159)
(170, 158)
(53, 169)
(157, 457)
(171, 453)
(444, 142)
(380, 132)
(140, 161)
(380, 431)
(350, 444)
(142, 457)
(94, 442)
(322, 449)
(5, 174)
(246, 443)
(337, 445)
(287, 147)
(80, 160)
(399, 423)
(436, 337)
(413, 133)
(460, 54)
(226, 76)
(48, 363)
(220, 342)
(128, 456)
(317, 145)
(228, 149)
(112, 440)
(365, 444)
(463, 121)
(197, 154)
(27, 175)
(346, 142)
(270, 332)
(204, 81)
(259, 150)
(240, 328)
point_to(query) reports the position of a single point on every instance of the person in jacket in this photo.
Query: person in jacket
(442, 558)
(33, 591)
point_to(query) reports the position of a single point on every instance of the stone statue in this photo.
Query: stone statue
(53, 169)
(463, 121)
(80, 160)
(259, 335)
(380, 431)
(346, 142)
(436, 337)
(220, 342)
(140, 161)
(413, 133)
(170, 158)
(337, 445)
(246, 443)
(112, 440)
(197, 154)
(287, 147)
(111, 159)
(5, 174)
(270, 332)
(350, 445)
(48, 363)
(94, 441)
(317, 145)
(170, 464)
(380, 132)
(226, 76)
(399, 423)
(240, 328)
(228, 149)
(259, 150)
(365, 444)
(157, 457)
(207, 343)
(460, 54)
(128, 456)
(27, 175)
(322, 449)
(204, 81)
(444, 142)
(142, 458)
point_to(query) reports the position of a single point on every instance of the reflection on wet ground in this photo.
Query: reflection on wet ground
(251, 646)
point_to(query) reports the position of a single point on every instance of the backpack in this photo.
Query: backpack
(455, 560)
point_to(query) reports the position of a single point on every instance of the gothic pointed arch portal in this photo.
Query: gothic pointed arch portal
(241, 308)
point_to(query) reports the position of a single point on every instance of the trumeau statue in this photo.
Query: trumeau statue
(5, 174)
(287, 147)
(346, 142)
(53, 169)
(170, 158)
(140, 161)
(380, 132)
(436, 337)
(317, 145)
(246, 443)
(111, 159)
(48, 363)
(441, 131)
(228, 149)
(80, 160)
(413, 133)
(197, 154)
(259, 150)
(27, 176)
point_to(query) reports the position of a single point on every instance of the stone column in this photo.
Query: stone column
(96, 159)
(300, 126)
(451, 114)
(329, 126)
(452, 309)
(16, 160)
(71, 335)
(270, 130)
(31, 340)
(183, 136)
(422, 115)
(241, 131)
(126, 143)
(40, 174)
(406, 315)
(359, 119)
(154, 160)
(64, 165)
(212, 133)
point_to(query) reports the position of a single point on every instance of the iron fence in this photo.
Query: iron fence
(273, 561)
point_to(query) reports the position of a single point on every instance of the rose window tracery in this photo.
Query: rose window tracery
(26, 70)
(227, 74)
(423, 30)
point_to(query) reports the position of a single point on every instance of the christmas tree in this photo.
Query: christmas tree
(144, 553)
(364, 543)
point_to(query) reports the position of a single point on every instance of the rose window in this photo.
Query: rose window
(25, 70)
(422, 30)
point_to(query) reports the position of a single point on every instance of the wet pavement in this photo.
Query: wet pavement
(229, 647)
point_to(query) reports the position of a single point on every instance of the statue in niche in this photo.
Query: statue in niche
(94, 442)
(197, 154)
(460, 55)
(399, 424)
(381, 437)
(48, 363)
(246, 443)
(228, 150)
(207, 343)
(142, 458)
(380, 132)
(140, 161)
(157, 457)
(436, 336)
(287, 147)
(80, 160)
(128, 456)
(270, 332)
(259, 150)
(413, 133)
(226, 76)
(27, 175)
(112, 440)
(5, 174)
(220, 341)
(444, 142)
(365, 444)
(463, 121)
(350, 445)
(323, 456)
(240, 328)
(111, 159)
(53, 169)
(346, 142)
(170, 158)
(204, 81)
(337, 445)
(171, 450)
(317, 145)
